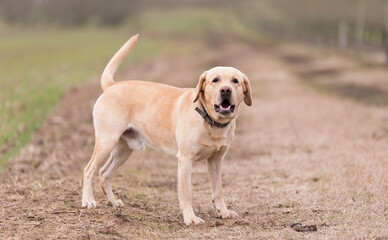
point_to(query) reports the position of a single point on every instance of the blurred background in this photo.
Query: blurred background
(48, 45)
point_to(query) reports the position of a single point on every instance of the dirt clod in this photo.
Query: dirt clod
(304, 228)
(216, 224)
(241, 223)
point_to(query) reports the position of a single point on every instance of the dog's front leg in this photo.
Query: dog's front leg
(184, 191)
(214, 165)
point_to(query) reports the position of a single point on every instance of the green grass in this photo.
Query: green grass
(37, 66)
(205, 23)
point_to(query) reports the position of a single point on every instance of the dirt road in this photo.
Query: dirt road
(303, 152)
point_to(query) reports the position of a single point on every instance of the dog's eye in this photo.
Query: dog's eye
(235, 81)
(215, 80)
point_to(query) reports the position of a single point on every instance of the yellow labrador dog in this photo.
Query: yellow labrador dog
(193, 124)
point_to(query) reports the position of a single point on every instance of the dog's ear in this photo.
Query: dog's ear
(199, 87)
(247, 91)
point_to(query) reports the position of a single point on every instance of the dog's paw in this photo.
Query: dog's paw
(194, 220)
(227, 214)
(89, 203)
(117, 203)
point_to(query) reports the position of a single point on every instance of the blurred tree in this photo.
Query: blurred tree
(386, 32)
(360, 23)
(343, 35)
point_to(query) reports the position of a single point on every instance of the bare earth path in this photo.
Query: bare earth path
(300, 155)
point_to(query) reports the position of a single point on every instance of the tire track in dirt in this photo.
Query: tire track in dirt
(298, 156)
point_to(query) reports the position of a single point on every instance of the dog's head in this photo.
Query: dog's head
(221, 90)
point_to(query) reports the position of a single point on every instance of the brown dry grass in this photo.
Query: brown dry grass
(300, 155)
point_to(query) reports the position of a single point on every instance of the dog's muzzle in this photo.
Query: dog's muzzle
(225, 108)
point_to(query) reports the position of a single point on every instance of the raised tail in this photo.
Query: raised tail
(114, 63)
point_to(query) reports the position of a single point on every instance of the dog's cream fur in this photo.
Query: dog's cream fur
(130, 115)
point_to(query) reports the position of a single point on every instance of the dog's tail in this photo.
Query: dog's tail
(114, 63)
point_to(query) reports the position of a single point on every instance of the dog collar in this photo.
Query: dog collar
(208, 119)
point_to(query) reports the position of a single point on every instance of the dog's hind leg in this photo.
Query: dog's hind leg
(118, 156)
(103, 146)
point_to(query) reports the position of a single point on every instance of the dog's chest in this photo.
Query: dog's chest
(208, 146)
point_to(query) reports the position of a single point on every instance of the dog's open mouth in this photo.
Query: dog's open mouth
(224, 107)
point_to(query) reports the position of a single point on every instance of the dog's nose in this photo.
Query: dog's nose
(226, 91)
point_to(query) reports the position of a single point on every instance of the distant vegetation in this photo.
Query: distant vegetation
(67, 13)
(340, 23)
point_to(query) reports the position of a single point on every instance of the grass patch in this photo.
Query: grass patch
(187, 23)
(37, 67)
(368, 95)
